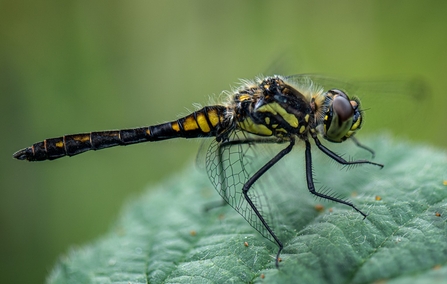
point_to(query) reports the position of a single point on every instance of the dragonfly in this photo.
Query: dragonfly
(271, 110)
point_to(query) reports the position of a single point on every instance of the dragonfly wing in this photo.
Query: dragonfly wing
(229, 166)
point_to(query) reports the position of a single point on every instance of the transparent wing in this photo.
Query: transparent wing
(400, 104)
(229, 166)
(412, 88)
(202, 152)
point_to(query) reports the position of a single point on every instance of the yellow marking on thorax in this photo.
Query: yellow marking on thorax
(302, 129)
(267, 120)
(260, 129)
(306, 118)
(275, 108)
(281, 130)
(244, 97)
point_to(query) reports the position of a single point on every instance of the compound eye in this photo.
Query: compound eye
(342, 108)
(341, 105)
(337, 92)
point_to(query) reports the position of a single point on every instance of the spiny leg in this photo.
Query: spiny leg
(309, 175)
(250, 183)
(339, 159)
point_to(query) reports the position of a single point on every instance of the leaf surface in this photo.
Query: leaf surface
(165, 235)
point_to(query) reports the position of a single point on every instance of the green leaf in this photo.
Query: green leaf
(165, 236)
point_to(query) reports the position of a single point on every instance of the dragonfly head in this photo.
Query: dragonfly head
(342, 116)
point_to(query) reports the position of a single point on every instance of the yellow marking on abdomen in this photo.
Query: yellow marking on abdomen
(190, 124)
(60, 144)
(203, 123)
(82, 138)
(213, 117)
(175, 126)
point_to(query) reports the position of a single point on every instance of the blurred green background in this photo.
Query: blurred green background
(80, 66)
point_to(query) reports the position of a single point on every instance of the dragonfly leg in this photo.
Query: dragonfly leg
(222, 180)
(337, 158)
(309, 174)
(250, 183)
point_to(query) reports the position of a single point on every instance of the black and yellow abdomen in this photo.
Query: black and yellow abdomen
(205, 122)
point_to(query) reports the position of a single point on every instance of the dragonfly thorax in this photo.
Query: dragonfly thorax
(273, 108)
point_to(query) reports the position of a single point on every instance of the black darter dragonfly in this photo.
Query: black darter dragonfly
(268, 110)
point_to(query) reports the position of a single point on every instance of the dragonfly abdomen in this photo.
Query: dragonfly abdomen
(205, 122)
